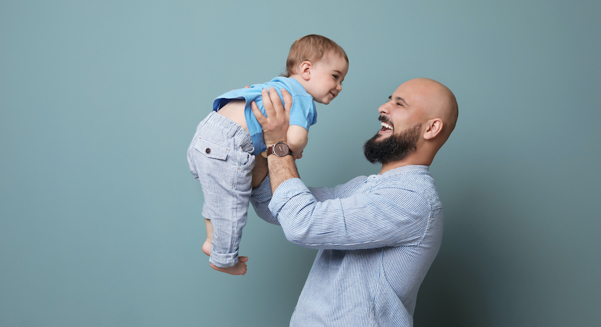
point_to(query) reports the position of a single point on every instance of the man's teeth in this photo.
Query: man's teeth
(386, 126)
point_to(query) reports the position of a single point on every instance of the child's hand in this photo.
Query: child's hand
(297, 155)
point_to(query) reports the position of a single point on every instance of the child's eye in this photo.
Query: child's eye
(335, 76)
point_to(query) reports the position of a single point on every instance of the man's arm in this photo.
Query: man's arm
(388, 216)
(361, 221)
(275, 128)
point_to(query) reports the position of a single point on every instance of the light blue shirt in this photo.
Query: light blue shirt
(377, 237)
(303, 112)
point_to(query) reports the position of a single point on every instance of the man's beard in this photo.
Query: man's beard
(392, 148)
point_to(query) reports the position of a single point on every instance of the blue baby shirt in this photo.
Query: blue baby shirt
(303, 112)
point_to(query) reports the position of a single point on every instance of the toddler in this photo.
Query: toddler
(221, 154)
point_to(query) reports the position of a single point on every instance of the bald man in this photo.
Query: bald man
(377, 235)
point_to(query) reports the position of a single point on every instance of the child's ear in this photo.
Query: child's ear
(305, 70)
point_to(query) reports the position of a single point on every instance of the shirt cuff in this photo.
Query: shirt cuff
(286, 191)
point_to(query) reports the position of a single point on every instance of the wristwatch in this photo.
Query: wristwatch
(280, 149)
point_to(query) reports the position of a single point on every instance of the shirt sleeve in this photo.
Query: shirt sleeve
(327, 193)
(388, 217)
(303, 112)
(260, 198)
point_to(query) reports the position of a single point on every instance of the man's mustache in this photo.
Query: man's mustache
(386, 120)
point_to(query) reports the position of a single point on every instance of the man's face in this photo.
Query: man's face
(400, 128)
(402, 110)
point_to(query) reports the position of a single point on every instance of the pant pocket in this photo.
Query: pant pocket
(211, 150)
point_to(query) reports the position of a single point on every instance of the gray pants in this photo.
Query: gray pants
(220, 157)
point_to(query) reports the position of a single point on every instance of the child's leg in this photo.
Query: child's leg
(221, 156)
(238, 269)
(206, 247)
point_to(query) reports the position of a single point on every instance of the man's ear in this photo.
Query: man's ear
(433, 128)
(305, 70)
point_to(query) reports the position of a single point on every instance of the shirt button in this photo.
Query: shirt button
(208, 150)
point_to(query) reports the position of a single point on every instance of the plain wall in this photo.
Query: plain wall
(100, 218)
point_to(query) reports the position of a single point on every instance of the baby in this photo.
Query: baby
(221, 154)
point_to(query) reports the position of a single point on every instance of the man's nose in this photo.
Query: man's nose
(383, 108)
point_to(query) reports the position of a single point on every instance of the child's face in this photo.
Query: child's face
(326, 78)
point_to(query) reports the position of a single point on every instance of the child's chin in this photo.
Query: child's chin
(322, 101)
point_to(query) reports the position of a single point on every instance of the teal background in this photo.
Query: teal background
(100, 218)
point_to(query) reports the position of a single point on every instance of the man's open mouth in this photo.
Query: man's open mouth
(386, 124)
(386, 127)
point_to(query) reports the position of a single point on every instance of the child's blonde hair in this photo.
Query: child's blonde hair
(311, 48)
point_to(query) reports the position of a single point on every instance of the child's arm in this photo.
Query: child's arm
(297, 138)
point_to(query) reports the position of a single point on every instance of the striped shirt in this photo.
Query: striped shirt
(377, 237)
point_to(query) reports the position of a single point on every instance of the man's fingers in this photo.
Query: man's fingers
(258, 114)
(267, 103)
(275, 101)
(287, 102)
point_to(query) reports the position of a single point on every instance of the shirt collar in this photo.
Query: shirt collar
(405, 169)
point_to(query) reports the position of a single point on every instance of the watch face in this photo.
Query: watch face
(280, 149)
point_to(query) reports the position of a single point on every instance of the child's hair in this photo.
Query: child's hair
(311, 48)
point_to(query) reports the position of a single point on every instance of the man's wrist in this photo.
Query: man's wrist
(280, 170)
(280, 149)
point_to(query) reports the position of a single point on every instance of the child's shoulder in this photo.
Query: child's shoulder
(290, 84)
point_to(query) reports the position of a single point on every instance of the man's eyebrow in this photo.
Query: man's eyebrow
(398, 99)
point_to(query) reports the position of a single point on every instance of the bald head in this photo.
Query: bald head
(434, 100)
(416, 121)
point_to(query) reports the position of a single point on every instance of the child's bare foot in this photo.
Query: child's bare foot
(237, 269)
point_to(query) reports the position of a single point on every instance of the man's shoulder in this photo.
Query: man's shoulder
(418, 181)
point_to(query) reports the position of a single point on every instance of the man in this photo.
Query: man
(377, 236)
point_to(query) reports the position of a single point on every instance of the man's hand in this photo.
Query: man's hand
(275, 125)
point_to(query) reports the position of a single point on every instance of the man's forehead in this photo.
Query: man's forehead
(416, 91)
(403, 93)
